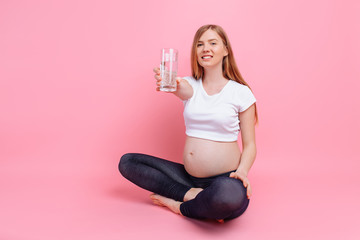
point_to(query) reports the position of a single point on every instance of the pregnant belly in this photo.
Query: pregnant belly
(205, 158)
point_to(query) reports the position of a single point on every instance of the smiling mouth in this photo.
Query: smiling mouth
(206, 57)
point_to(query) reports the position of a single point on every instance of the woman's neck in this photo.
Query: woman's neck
(213, 76)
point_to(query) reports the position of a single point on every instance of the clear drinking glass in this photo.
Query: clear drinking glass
(168, 69)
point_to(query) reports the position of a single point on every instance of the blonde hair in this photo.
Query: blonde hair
(229, 67)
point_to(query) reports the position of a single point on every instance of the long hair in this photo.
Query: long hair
(229, 67)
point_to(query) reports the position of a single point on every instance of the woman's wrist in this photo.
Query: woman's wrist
(242, 170)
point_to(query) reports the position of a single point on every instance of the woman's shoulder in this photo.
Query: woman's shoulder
(238, 85)
(241, 91)
(242, 96)
(239, 88)
(191, 80)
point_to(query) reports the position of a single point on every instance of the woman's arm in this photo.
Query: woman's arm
(247, 127)
(183, 90)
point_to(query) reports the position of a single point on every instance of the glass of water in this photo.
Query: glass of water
(168, 69)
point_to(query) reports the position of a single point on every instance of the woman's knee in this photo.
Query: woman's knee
(124, 162)
(229, 193)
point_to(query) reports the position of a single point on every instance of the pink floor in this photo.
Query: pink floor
(47, 197)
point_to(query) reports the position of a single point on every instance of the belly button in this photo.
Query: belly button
(191, 153)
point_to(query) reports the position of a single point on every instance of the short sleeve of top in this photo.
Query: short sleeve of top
(194, 84)
(245, 98)
(215, 117)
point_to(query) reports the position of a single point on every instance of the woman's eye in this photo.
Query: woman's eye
(199, 44)
(213, 43)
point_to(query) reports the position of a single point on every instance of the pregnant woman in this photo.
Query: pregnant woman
(218, 105)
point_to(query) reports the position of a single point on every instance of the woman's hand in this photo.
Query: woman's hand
(242, 176)
(183, 91)
(158, 78)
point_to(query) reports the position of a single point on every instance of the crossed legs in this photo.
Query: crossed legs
(224, 198)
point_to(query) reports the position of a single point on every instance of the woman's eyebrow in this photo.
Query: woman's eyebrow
(210, 40)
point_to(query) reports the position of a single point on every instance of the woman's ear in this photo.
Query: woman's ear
(226, 51)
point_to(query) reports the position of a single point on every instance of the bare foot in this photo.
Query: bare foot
(171, 204)
(192, 193)
(166, 202)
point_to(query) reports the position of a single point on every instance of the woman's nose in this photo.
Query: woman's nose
(206, 48)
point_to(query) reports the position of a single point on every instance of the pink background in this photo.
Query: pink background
(77, 91)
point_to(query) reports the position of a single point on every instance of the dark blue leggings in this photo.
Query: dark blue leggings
(222, 198)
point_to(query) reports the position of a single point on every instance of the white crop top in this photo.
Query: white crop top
(216, 117)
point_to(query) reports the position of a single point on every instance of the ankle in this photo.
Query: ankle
(192, 193)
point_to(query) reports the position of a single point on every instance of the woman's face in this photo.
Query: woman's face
(210, 49)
